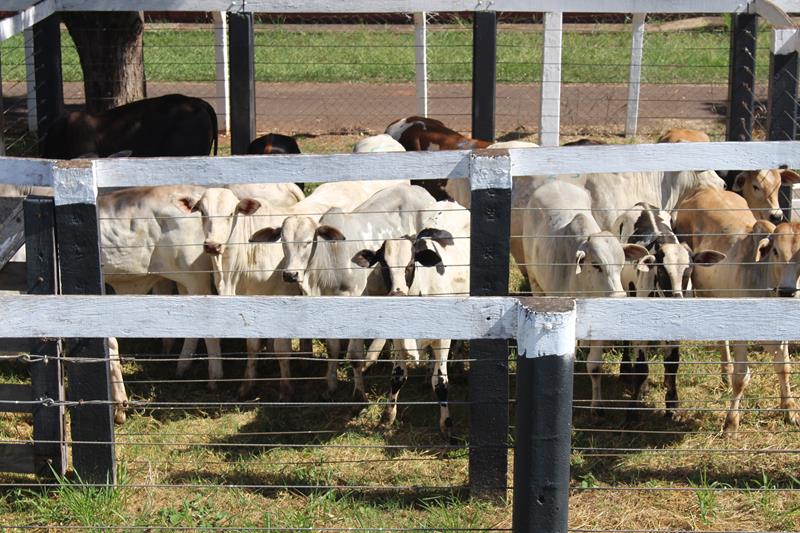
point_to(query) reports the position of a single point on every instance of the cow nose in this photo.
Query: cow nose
(397, 292)
(212, 248)
(290, 276)
(776, 218)
(787, 292)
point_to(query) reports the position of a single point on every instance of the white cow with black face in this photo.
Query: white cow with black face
(432, 262)
(567, 253)
(669, 275)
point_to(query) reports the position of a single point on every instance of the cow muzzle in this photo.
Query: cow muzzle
(397, 292)
(787, 292)
(776, 217)
(290, 277)
(212, 248)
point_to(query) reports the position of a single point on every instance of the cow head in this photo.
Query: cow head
(673, 267)
(599, 261)
(219, 209)
(398, 258)
(783, 255)
(760, 189)
(299, 235)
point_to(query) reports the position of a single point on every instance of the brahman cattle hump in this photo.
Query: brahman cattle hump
(170, 125)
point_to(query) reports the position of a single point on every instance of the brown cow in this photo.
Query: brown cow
(684, 135)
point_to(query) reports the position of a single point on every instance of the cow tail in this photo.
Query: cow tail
(214, 126)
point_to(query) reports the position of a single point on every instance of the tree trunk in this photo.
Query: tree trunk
(111, 53)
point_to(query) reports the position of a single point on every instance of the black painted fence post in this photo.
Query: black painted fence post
(78, 241)
(782, 122)
(742, 77)
(490, 176)
(49, 447)
(545, 363)
(241, 78)
(47, 69)
(484, 74)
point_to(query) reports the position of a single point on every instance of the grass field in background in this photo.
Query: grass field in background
(377, 54)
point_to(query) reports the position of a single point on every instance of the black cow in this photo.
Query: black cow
(170, 125)
(273, 144)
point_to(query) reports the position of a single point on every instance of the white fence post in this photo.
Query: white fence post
(550, 113)
(634, 79)
(421, 49)
(223, 106)
(30, 79)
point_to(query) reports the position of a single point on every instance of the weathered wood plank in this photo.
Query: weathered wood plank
(421, 63)
(217, 171)
(27, 17)
(21, 172)
(11, 394)
(635, 74)
(550, 101)
(655, 157)
(256, 316)
(412, 6)
(17, 458)
(12, 231)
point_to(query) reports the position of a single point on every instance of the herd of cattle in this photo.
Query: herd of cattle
(648, 234)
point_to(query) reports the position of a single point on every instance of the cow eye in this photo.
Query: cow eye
(598, 268)
(756, 188)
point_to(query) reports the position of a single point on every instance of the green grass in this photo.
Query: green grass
(376, 55)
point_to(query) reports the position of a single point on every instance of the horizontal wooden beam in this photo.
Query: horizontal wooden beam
(257, 316)
(10, 393)
(17, 458)
(22, 172)
(784, 41)
(412, 6)
(655, 157)
(218, 171)
(26, 18)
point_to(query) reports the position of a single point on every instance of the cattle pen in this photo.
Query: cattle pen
(525, 456)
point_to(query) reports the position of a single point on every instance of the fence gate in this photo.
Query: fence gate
(46, 455)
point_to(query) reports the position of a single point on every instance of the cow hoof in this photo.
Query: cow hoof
(119, 416)
(387, 419)
(446, 429)
(731, 426)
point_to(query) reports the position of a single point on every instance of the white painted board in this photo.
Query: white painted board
(635, 74)
(550, 102)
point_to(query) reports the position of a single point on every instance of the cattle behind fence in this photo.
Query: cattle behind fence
(546, 331)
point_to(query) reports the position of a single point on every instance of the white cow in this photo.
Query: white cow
(433, 262)
(567, 253)
(325, 268)
(378, 143)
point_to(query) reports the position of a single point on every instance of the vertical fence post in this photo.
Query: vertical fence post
(30, 79)
(550, 115)
(635, 75)
(484, 74)
(49, 448)
(742, 77)
(242, 81)
(545, 363)
(2, 113)
(421, 54)
(77, 232)
(490, 178)
(47, 67)
(223, 100)
(782, 122)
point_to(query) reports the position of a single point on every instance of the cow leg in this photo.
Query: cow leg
(334, 351)
(639, 385)
(739, 380)
(356, 356)
(594, 366)
(189, 344)
(726, 367)
(399, 377)
(782, 365)
(253, 347)
(283, 350)
(626, 365)
(439, 382)
(672, 358)
(518, 253)
(118, 394)
(373, 352)
(214, 350)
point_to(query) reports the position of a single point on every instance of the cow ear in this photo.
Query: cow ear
(634, 252)
(645, 263)
(443, 237)
(329, 233)
(187, 204)
(248, 206)
(707, 257)
(580, 258)
(365, 258)
(789, 177)
(738, 182)
(427, 258)
(762, 248)
(266, 235)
